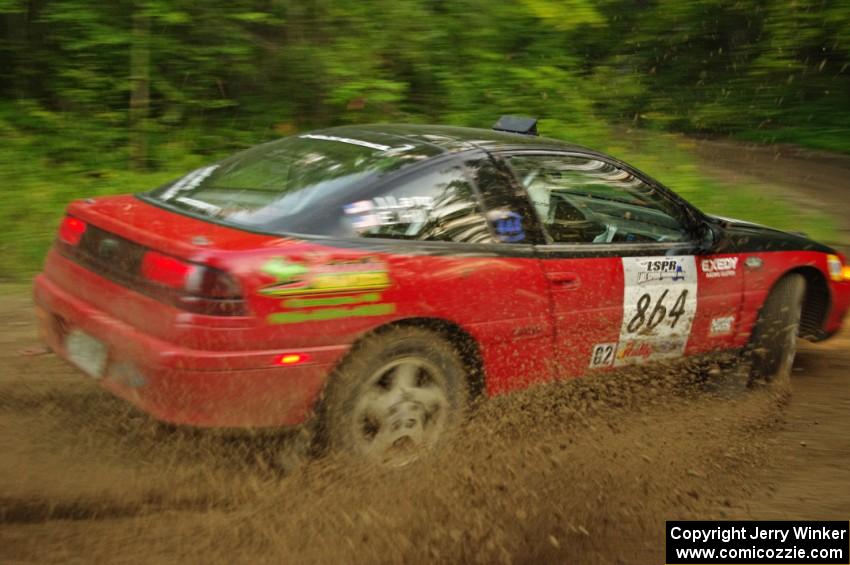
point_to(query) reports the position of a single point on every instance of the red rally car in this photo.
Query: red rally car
(376, 278)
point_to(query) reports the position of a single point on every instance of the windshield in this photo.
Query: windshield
(292, 183)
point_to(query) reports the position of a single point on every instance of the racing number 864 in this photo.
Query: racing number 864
(650, 319)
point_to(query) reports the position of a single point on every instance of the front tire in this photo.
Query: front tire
(397, 396)
(773, 343)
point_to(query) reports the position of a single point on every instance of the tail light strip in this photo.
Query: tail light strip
(189, 286)
(71, 230)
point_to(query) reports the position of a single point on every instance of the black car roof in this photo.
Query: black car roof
(453, 139)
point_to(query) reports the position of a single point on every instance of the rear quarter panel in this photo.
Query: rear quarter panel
(502, 302)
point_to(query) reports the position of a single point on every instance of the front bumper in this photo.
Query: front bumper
(187, 386)
(840, 306)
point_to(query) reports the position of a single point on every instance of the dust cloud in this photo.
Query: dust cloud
(571, 471)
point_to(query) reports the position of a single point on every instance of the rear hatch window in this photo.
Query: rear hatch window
(292, 185)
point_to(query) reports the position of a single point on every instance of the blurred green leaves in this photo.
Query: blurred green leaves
(752, 67)
(226, 75)
(565, 16)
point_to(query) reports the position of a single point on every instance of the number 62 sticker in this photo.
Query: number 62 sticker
(603, 355)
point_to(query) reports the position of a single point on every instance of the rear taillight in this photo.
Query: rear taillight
(71, 230)
(193, 287)
(166, 270)
(190, 286)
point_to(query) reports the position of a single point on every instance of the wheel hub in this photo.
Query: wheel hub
(400, 411)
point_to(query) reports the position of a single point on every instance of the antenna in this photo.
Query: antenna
(517, 124)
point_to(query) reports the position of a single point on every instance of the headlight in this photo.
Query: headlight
(837, 270)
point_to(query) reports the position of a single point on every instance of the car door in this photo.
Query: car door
(627, 284)
(460, 251)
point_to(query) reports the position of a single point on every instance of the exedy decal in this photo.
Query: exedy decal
(720, 267)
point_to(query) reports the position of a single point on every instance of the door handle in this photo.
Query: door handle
(564, 280)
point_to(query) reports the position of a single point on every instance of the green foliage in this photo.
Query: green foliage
(756, 68)
(227, 75)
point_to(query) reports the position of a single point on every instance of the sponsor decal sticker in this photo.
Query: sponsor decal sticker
(327, 291)
(722, 325)
(637, 350)
(719, 267)
(361, 275)
(330, 314)
(602, 355)
(753, 262)
(634, 349)
(659, 304)
(651, 270)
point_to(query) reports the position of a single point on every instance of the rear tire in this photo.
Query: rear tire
(398, 395)
(773, 343)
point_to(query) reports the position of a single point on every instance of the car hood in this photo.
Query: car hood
(744, 236)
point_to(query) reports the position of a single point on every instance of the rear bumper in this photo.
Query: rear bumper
(188, 386)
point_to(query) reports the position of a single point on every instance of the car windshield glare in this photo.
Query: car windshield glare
(265, 185)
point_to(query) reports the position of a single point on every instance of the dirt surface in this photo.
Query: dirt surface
(582, 471)
(577, 472)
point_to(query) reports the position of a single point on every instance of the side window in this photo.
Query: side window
(586, 200)
(437, 205)
(508, 210)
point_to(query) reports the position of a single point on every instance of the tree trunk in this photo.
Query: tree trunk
(140, 89)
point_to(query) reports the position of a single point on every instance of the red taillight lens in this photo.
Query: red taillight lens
(71, 230)
(193, 287)
(166, 270)
(199, 289)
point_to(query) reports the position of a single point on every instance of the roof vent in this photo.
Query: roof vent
(517, 124)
